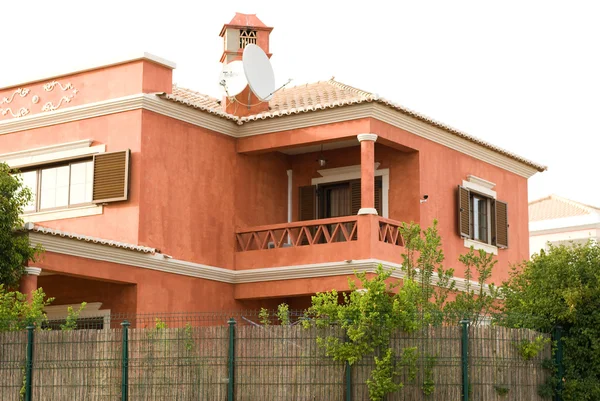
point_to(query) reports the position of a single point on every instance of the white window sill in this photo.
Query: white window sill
(83, 211)
(480, 245)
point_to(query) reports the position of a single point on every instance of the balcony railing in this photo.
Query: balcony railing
(301, 233)
(388, 232)
(313, 232)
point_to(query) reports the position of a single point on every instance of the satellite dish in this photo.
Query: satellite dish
(259, 72)
(232, 78)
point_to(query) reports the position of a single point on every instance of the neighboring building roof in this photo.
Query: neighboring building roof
(556, 207)
(320, 96)
(86, 238)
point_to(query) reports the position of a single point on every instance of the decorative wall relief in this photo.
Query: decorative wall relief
(49, 87)
(21, 92)
(22, 111)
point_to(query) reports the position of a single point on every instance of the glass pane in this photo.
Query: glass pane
(81, 183)
(30, 181)
(480, 214)
(55, 187)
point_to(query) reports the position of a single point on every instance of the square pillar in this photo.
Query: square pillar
(367, 173)
(29, 281)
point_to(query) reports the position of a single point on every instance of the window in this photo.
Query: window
(482, 218)
(60, 186)
(335, 199)
(101, 179)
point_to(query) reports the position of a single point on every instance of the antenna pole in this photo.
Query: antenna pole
(281, 87)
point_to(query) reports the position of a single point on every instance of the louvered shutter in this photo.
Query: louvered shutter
(111, 177)
(307, 203)
(464, 212)
(354, 197)
(501, 224)
(379, 195)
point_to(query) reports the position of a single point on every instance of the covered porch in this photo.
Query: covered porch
(345, 200)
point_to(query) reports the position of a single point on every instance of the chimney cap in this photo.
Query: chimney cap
(243, 21)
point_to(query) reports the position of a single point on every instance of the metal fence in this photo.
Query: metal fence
(187, 357)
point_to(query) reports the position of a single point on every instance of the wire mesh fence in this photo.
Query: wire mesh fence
(249, 356)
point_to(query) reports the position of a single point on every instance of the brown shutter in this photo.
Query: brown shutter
(111, 176)
(379, 195)
(464, 212)
(307, 203)
(354, 197)
(501, 224)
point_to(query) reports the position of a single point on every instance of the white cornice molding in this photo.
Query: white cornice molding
(75, 113)
(51, 157)
(60, 147)
(159, 262)
(95, 66)
(218, 124)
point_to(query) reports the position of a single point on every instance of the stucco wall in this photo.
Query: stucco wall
(196, 189)
(119, 220)
(442, 169)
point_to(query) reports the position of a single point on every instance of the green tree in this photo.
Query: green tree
(15, 250)
(16, 312)
(562, 287)
(475, 304)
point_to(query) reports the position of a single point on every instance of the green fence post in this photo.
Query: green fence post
(29, 363)
(348, 375)
(558, 361)
(125, 363)
(231, 359)
(465, 359)
(348, 381)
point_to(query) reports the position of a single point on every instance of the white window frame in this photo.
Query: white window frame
(353, 173)
(483, 188)
(37, 157)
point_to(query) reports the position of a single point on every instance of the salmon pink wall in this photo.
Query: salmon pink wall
(66, 290)
(156, 291)
(121, 131)
(197, 189)
(93, 86)
(442, 169)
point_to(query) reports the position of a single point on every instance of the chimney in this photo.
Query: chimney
(242, 30)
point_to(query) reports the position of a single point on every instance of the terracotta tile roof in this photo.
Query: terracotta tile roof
(556, 207)
(86, 238)
(323, 95)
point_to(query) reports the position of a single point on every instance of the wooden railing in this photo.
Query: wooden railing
(301, 233)
(388, 232)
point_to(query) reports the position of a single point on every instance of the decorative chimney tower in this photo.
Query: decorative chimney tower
(242, 30)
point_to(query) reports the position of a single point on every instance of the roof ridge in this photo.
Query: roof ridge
(332, 81)
(583, 206)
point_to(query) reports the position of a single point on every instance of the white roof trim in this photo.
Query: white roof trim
(89, 66)
(160, 262)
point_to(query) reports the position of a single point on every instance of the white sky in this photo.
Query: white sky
(524, 75)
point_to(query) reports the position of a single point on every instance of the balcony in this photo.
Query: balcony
(318, 241)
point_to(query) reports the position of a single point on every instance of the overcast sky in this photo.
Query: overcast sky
(523, 75)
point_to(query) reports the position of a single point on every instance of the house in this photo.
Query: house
(559, 221)
(151, 197)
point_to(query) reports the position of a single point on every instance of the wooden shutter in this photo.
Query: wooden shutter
(379, 195)
(307, 203)
(464, 212)
(501, 224)
(354, 197)
(111, 176)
